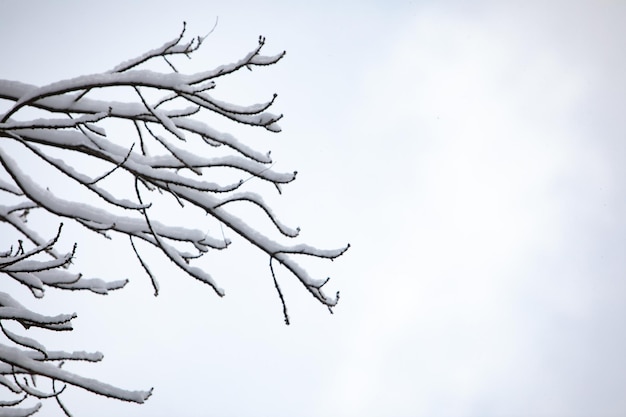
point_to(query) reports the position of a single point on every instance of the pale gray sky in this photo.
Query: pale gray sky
(472, 154)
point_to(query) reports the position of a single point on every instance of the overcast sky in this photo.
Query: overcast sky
(471, 152)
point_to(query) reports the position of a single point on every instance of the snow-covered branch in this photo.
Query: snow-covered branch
(167, 148)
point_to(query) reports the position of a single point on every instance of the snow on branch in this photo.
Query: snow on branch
(167, 149)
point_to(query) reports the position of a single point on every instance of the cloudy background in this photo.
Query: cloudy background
(472, 154)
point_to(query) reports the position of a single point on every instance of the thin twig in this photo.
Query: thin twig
(280, 293)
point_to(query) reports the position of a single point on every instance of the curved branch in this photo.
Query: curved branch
(258, 201)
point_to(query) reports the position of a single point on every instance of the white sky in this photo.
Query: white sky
(471, 154)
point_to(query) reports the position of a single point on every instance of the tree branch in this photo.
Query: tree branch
(171, 126)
